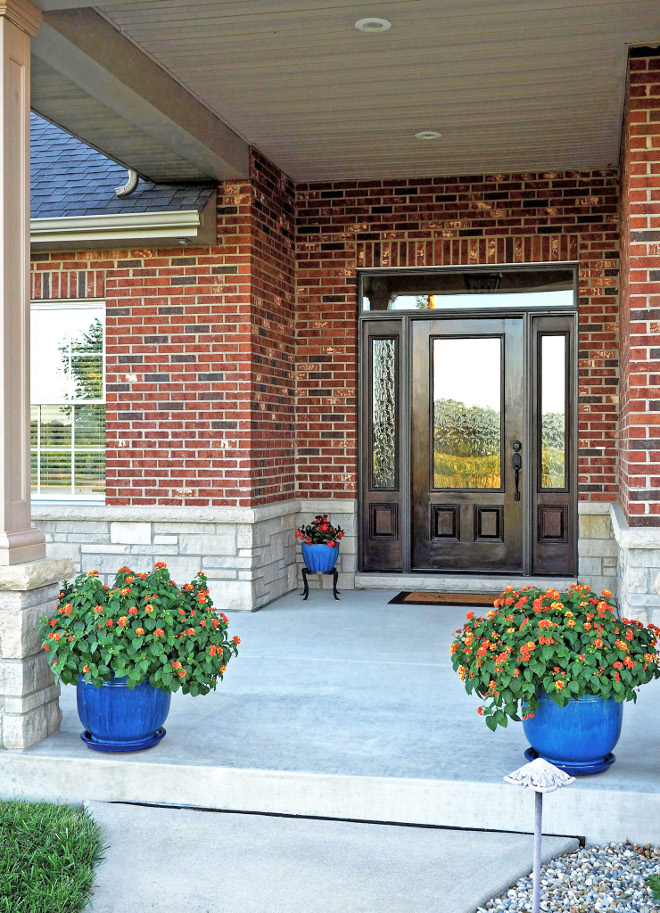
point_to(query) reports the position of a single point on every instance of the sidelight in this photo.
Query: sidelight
(553, 411)
(383, 412)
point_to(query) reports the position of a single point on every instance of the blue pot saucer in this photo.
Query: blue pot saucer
(576, 768)
(117, 747)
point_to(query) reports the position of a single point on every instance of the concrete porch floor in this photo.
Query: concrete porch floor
(348, 710)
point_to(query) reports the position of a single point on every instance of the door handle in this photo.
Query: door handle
(516, 462)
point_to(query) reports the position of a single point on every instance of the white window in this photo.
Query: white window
(67, 372)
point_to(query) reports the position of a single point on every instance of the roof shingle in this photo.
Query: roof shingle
(69, 178)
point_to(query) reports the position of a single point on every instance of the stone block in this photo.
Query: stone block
(122, 533)
(81, 528)
(166, 540)
(233, 595)
(589, 567)
(595, 526)
(19, 632)
(195, 529)
(636, 580)
(35, 574)
(219, 544)
(19, 677)
(29, 702)
(63, 550)
(232, 561)
(244, 536)
(103, 549)
(643, 557)
(597, 548)
(23, 730)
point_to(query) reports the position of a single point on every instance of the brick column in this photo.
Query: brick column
(639, 453)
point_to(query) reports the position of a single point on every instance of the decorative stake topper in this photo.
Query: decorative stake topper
(543, 777)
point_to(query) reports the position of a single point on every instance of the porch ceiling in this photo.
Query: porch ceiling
(510, 85)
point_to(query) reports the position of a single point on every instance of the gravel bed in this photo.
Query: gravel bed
(597, 879)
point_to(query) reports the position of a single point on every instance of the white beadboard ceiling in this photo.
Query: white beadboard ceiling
(511, 84)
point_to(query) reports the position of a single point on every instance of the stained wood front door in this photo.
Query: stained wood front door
(468, 418)
(468, 445)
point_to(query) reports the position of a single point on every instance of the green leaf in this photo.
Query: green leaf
(491, 723)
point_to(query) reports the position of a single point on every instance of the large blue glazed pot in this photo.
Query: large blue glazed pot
(578, 738)
(117, 719)
(319, 559)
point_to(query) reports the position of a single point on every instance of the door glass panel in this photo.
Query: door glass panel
(383, 413)
(553, 411)
(467, 412)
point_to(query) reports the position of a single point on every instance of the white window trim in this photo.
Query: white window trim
(67, 304)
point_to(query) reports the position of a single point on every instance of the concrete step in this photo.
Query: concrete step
(286, 865)
(598, 814)
(455, 583)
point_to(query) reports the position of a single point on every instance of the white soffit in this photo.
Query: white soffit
(511, 85)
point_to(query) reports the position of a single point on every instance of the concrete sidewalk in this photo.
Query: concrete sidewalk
(185, 861)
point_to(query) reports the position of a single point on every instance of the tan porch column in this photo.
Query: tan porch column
(28, 581)
(19, 540)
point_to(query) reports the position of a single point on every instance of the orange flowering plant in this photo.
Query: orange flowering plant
(144, 628)
(564, 644)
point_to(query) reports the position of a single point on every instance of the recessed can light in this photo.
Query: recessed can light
(428, 134)
(373, 25)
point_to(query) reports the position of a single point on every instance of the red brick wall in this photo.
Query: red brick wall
(273, 333)
(494, 219)
(208, 333)
(640, 296)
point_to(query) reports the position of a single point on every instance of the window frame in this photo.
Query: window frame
(65, 304)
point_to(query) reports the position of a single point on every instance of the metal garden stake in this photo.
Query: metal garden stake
(542, 777)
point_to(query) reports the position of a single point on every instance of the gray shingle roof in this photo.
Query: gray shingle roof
(69, 178)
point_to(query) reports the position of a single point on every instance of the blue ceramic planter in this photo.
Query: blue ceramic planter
(319, 559)
(578, 738)
(117, 719)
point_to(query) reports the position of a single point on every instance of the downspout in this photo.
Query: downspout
(130, 186)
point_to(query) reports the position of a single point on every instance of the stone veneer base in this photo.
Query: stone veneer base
(251, 556)
(29, 706)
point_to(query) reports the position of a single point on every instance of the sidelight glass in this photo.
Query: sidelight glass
(383, 412)
(553, 411)
(467, 412)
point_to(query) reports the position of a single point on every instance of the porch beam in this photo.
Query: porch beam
(19, 540)
(82, 48)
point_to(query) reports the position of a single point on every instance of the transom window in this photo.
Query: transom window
(475, 288)
(67, 352)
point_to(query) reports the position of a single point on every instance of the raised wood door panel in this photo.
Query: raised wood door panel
(383, 470)
(467, 414)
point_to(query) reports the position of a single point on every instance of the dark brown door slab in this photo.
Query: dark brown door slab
(468, 433)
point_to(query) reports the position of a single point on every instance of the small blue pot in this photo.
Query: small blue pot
(319, 559)
(117, 719)
(578, 738)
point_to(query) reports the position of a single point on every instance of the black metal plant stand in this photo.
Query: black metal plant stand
(335, 577)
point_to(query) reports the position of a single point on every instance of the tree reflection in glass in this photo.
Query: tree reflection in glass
(68, 412)
(466, 413)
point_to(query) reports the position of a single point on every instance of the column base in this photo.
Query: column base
(29, 696)
(638, 567)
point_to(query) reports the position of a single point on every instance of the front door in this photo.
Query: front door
(468, 420)
(468, 444)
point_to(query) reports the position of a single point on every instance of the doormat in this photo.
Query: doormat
(464, 599)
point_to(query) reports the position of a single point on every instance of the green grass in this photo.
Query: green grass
(466, 472)
(47, 857)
